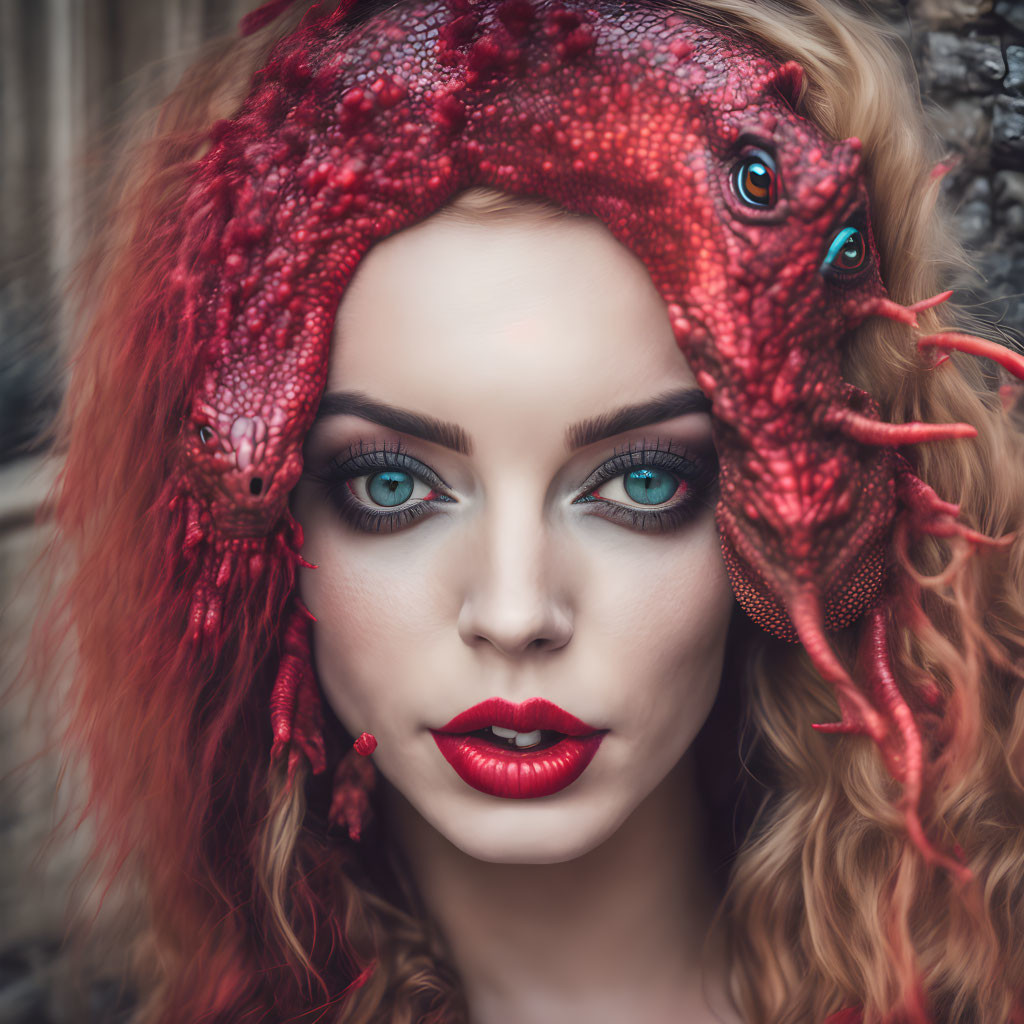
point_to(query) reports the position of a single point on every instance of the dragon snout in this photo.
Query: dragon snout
(248, 442)
(247, 436)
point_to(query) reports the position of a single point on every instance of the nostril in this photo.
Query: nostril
(256, 485)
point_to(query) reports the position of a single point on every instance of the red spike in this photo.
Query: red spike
(1006, 358)
(943, 167)
(916, 494)
(882, 305)
(194, 532)
(928, 514)
(308, 724)
(857, 715)
(789, 80)
(225, 568)
(935, 300)
(1009, 395)
(871, 431)
(196, 615)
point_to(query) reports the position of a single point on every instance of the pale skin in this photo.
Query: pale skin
(524, 578)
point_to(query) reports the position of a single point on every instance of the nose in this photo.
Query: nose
(515, 598)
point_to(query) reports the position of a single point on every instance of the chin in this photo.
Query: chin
(542, 831)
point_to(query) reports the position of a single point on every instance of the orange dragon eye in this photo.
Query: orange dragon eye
(755, 180)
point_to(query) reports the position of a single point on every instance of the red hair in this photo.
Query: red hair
(178, 743)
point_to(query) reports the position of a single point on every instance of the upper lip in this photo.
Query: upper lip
(535, 713)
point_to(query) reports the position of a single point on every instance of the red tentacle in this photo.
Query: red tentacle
(957, 342)
(354, 780)
(902, 749)
(867, 430)
(857, 715)
(295, 709)
(927, 513)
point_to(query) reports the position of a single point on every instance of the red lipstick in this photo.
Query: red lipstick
(498, 766)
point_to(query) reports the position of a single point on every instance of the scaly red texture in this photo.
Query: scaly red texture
(684, 141)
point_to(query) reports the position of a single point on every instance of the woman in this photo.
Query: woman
(403, 459)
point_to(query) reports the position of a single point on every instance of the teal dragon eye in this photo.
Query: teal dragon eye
(848, 252)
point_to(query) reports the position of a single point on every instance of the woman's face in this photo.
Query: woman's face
(508, 495)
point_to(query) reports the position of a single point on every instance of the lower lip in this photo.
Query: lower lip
(517, 775)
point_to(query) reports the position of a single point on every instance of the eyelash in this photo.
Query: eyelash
(697, 473)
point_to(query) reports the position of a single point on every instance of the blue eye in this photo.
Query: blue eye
(670, 485)
(650, 486)
(390, 488)
(755, 179)
(848, 252)
(367, 483)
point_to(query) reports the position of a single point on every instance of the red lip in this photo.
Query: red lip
(517, 774)
(535, 713)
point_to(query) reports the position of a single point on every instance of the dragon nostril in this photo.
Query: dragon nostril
(256, 485)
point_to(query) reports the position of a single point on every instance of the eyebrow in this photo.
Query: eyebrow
(668, 406)
(679, 402)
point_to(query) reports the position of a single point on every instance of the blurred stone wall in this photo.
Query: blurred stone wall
(970, 58)
(71, 72)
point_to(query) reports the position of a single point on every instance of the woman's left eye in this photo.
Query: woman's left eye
(651, 489)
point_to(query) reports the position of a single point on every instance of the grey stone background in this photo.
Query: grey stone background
(72, 72)
(970, 60)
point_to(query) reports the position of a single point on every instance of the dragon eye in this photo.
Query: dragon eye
(848, 252)
(205, 434)
(755, 179)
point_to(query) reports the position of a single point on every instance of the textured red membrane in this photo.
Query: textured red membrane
(641, 119)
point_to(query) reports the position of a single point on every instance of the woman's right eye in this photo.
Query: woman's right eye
(381, 490)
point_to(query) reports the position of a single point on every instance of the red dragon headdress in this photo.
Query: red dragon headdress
(684, 141)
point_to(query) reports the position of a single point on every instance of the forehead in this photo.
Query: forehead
(504, 315)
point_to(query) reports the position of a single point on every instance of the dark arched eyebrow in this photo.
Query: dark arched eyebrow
(679, 402)
(629, 417)
(355, 403)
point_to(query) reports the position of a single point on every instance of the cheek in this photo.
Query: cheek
(660, 609)
(375, 602)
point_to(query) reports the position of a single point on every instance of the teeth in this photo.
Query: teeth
(527, 739)
(522, 739)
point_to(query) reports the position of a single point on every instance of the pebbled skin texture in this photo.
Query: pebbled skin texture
(643, 119)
